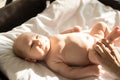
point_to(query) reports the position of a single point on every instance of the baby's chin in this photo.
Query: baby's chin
(47, 49)
(47, 46)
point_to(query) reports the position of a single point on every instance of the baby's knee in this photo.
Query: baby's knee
(101, 26)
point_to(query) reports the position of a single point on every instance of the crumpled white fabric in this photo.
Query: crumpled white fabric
(2, 3)
(59, 16)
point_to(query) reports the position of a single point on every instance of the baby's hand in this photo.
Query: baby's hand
(96, 70)
(76, 29)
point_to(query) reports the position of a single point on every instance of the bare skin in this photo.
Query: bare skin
(70, 53)
(73, 49)
(108, 56)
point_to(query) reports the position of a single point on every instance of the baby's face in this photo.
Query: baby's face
(34, 46)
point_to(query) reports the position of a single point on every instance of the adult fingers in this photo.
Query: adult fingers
(107, 44)
(101, 49)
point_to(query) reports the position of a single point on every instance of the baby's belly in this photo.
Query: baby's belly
(77, 51)
(77, 57)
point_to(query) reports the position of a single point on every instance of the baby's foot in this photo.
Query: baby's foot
(114, 34)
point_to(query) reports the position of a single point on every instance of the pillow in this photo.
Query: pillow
(8, 1)
(18, 12)
(60, 15)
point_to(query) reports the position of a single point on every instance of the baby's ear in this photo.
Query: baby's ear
(30, 60)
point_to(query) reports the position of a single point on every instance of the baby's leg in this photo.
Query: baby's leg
(100, 30)
(114, 34)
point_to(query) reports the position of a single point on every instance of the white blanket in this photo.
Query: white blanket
(2, 3)
(59, 16)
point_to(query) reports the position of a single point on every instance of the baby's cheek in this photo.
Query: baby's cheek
(92, 57)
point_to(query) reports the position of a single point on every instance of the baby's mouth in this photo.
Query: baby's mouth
(43, 42)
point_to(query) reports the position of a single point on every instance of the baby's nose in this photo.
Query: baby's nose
(37, 42)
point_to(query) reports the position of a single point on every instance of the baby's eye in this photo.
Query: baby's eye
(32, 44)
(37, 36)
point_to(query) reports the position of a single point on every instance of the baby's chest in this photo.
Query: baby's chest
(81, 40)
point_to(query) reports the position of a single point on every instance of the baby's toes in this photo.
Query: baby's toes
(117, 30)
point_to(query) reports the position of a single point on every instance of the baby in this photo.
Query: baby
(68, 53)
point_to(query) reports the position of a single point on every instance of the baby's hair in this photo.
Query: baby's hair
(16, 50)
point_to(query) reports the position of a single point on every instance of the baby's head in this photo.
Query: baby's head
(31, 46)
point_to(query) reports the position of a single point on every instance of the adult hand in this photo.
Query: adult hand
(108, 57)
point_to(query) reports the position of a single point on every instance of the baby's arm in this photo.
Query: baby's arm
(75, 72)
(74, 29)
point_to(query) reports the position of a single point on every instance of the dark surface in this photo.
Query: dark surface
(115, 4)
(8, 1)
(19, 11)
(2, 76)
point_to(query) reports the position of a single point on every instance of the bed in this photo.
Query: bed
(57, 17)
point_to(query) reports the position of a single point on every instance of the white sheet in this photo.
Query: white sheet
(61, 15)
(2, 3)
